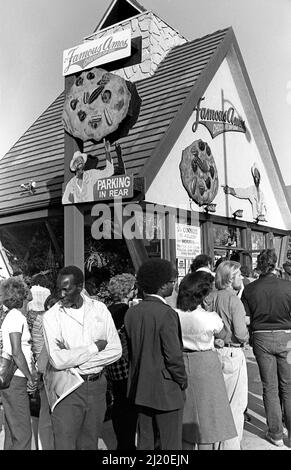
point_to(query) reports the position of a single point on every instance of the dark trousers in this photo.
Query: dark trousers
(124, 416)
(273, 354)
(17, 422)
(78, 419)
(159, 429)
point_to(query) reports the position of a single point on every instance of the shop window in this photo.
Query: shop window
(258, 240)
(258, 243)
(226, 236)
(277, 242)
(34, 247)
(150, 227)
(103, 259)
(254, 255)
(218, 254)
(152, 233)
(227, 242)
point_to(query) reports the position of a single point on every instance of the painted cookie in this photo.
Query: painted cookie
(96, 104)
(199, 173)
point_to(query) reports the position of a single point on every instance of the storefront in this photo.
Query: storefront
(199, 175)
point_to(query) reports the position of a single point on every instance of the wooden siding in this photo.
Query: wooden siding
(39, 153)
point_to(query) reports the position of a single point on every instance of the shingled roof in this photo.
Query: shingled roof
(168, 99)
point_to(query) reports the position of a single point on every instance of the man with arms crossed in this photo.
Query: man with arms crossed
(80, 333)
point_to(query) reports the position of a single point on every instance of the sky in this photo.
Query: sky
(34, 33)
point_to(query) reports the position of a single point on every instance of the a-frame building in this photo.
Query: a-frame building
(180, 83)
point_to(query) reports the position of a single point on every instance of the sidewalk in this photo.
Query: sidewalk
(254, 432)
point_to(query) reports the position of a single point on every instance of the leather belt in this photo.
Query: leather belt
(229, 345)
(91, 377)
(272, 331)
(195, 350)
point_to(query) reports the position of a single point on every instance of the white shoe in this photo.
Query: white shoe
(275, 442)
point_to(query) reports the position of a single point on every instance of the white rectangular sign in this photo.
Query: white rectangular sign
(188, 243)
(112, 47)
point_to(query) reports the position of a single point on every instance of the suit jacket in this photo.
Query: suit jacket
(156, 368)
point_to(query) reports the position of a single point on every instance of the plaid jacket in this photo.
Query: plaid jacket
(119, 369)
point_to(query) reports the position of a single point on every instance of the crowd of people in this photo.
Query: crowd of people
(176, 369)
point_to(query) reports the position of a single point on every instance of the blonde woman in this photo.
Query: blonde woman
(227, 304)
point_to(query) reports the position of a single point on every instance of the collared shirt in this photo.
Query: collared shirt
(78, 330)
(158, 297)
(198, 328)
(206, 270)
(231, 310)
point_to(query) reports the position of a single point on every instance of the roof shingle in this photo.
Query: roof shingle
(39, 153)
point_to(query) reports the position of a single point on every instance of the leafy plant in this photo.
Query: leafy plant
(103, 260)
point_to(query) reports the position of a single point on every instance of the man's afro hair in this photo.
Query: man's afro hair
(153, 274)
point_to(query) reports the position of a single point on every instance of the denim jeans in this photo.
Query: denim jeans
(273, 354)
(17, 422)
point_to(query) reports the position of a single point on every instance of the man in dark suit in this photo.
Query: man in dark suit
(157, 374)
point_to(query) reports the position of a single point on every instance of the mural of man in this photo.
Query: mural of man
(80, 187)
(253, 193)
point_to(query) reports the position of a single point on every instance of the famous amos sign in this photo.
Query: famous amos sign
(218, 121)
(97, 52)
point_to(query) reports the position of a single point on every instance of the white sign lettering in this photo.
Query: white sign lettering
(188, 243)
(113, 187)
(97, 52)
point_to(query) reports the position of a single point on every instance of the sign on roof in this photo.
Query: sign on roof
(95, 53)
(218, 121)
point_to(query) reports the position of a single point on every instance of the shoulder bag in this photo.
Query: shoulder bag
(7, 363)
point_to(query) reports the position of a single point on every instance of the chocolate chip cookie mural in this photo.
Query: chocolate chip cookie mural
(199, 173)
(96, 104)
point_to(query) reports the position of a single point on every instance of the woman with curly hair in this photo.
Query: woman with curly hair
(16, 342)
(122, 290)
(207, 417)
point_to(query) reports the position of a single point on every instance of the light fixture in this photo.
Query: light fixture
(29, 186)
(210, 207)
(237, 213)
(260, 218)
